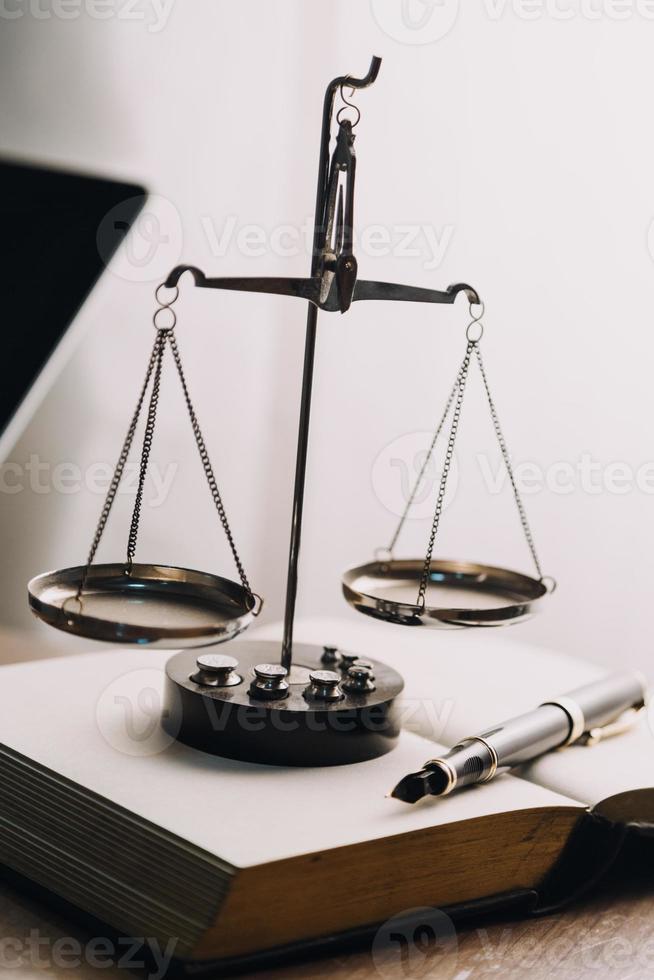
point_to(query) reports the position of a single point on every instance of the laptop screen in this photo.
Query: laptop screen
(51, 256)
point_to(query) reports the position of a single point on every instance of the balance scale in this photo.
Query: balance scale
(289, 704)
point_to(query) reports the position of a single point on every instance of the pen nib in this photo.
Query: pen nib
(413, 787)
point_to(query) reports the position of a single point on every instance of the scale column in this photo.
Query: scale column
(298, 493)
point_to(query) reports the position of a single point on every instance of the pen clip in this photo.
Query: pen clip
(624, 723)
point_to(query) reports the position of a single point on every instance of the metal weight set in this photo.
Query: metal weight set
(286, 703)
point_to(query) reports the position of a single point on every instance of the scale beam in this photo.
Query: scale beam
(310, 289)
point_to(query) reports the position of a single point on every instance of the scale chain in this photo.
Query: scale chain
(459, 386)
(509, 468)
(423, 468)
(160, 346)
(155, 365)
(206, 463)
(457, 393)
(118, 471)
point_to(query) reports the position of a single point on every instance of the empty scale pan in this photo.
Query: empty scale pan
(458, 593)
(154, 605)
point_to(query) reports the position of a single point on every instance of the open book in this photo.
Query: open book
(228, 860)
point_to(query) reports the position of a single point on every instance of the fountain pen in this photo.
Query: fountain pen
(587, 714)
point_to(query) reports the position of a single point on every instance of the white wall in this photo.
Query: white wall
(527, 141)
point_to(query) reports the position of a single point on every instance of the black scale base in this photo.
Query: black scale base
(298, 729)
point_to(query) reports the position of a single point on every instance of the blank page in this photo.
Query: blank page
(92, 718)
(459, 682)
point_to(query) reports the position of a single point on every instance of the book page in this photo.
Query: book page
(459, 682)
(94, 720)
(617, 765)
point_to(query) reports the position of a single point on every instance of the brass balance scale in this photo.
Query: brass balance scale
(288, 703)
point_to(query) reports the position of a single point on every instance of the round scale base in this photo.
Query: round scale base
(295, 730)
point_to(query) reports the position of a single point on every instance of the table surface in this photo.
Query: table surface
(608, 934)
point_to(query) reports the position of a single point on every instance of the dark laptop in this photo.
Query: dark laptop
(50, 258)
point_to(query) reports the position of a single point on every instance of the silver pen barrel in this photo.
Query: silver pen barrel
(608, 697)
(521, 739)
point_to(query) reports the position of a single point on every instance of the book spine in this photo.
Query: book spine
(592, 849)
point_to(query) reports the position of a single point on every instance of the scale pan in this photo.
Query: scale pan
(155, 605)
(459, 593)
